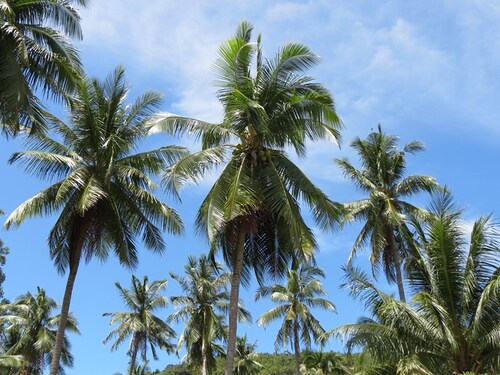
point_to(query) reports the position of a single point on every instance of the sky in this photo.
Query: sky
(427, 71)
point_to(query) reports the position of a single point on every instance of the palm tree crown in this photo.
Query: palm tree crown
(144, 328)
(202, 307)
(295, 300)
(35, 54)
(104, 193)
(32, 329)
(384, 212)
(252, 212)
(452, 323)
(246, 360)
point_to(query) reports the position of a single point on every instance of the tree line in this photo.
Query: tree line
(104, 199)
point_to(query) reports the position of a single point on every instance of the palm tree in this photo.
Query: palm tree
(30, 320)
(35, 54)
(202, 308)
(246, 360)
(140, 323)
(295, 300)
(104, 195)
(252, 212)
(452, 324)
(384, 212)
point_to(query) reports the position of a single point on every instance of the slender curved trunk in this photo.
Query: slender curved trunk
(81, 226)
(234, 302)
(296, 344)
(133, 357)
(397, 265)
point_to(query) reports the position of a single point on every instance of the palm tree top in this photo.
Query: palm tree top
(93, 168)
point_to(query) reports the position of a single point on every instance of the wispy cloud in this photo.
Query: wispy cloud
(382, 63)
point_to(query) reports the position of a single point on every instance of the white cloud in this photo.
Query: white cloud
(382, 63)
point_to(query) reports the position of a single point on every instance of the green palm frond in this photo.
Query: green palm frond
(36, 54)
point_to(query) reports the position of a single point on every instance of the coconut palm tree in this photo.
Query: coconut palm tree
(452, 324)
(246, 360)
(385, 212)
(252, 212)
(31, 321)
(202, 307)
(104, 193)
(35, 54)
(295, 300)
(140, 323)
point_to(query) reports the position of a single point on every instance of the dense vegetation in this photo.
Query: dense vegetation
(103, 189)
(272, 364)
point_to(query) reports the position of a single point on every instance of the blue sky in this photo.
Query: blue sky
(425, 70)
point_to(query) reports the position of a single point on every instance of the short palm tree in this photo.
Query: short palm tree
(246, 360)
(140, 323)
(252, 212)
(31, 321)
(452, 324)
(104, 193)
(202, 307)
(384, 212)
(295, 300)
(35, 54)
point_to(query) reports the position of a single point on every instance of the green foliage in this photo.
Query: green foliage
(272, 364)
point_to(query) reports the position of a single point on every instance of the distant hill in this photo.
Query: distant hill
(273, 364)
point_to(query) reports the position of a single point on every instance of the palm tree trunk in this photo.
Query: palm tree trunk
(203, 358)
(133, 357)
(234, 301)
(397, 265)
(56, 356)
(296, 344)
(81, 226)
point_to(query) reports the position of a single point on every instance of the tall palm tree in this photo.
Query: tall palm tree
(31, 320)
(35, 54)
(104, 195)
(202, 307)
(453, 322)
(384, 212)
(246, 360)
(252, 212)
(140, 323)
(295, 300)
